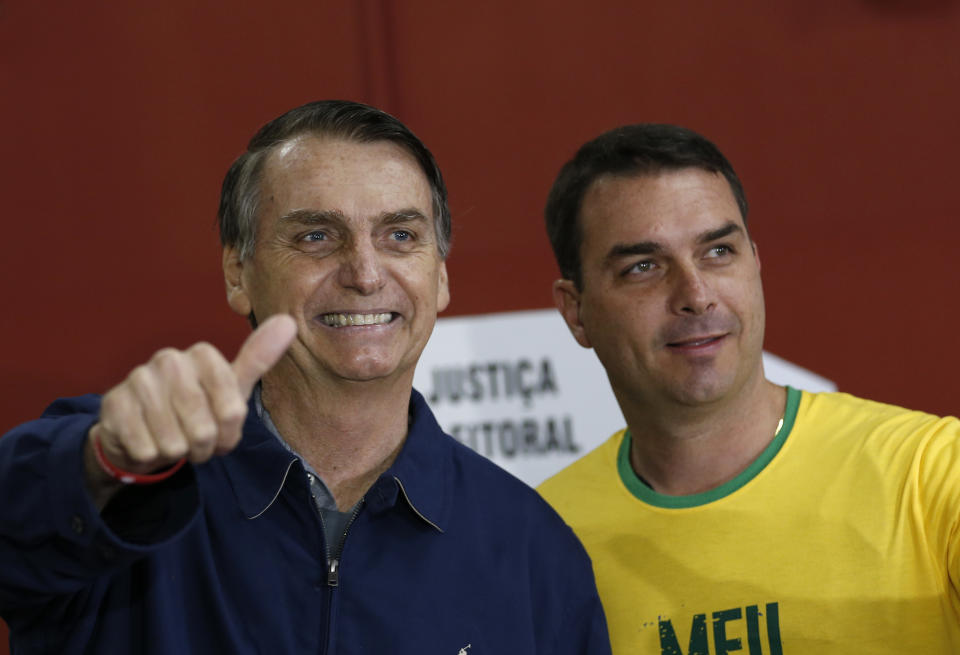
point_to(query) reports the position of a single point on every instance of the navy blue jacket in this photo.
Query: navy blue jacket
(447, 555)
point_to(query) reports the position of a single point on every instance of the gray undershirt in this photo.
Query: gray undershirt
(334, 521)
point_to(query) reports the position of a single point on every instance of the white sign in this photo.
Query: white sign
(518, 389)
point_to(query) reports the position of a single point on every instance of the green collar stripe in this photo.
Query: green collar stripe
(651, 497)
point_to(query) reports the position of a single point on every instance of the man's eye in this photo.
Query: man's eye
(401, 235)
(641, 267)
(315, 236)
(719, 251)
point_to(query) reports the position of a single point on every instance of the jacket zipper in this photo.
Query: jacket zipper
(333, 569)
(333, 563)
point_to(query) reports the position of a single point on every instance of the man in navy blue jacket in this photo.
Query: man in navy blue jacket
(300, 498)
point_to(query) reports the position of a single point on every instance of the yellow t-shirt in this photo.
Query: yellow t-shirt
(843, 537)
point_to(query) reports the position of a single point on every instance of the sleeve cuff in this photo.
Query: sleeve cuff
(137, 519)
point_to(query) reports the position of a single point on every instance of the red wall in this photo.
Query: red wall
(119, 123)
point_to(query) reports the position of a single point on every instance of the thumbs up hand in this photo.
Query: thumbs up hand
(182, 403)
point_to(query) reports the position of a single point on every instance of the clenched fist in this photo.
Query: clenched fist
(182, 403)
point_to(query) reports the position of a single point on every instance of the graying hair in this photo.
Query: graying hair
(353, 121)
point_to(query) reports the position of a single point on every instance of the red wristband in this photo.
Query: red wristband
(127, 477)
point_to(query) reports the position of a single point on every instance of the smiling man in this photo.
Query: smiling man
(732, 514)
(301, 498)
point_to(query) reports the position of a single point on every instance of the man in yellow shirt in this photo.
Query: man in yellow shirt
(732, 514)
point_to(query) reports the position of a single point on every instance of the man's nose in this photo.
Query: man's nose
(361, 268)
(692, 293)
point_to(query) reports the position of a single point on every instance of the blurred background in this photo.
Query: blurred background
(120, 119)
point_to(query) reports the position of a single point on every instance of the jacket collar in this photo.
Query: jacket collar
(258, 467)
(420, 477)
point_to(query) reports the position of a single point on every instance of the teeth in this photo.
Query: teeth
(343, 320)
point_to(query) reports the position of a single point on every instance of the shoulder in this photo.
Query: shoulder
(592, 472)
(480, 477)
(64, 416)
(842, 412)
(492, 496)
(894, 438)
(478, 490)
(473, 476)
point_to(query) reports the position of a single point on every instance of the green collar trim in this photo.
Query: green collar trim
(639, 489)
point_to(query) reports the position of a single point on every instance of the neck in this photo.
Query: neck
(688, 450)
(349, 432)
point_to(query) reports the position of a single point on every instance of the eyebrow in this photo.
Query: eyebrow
(403, 215)
(630, 249)
(719, 233)
(654, 247)
(314, 216)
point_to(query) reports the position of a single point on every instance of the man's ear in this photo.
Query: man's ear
(566, 297)
(237, 296)
(443, 288)
(756, 253)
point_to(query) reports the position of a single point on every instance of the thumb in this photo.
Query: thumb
(262, 350)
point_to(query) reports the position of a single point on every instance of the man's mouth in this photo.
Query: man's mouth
(346, 320)
(695, 343)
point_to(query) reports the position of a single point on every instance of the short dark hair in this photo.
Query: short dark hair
(353, 121)
(644, 149)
